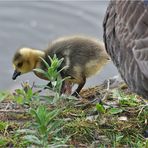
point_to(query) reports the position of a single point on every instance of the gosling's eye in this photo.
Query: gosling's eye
(20, 64)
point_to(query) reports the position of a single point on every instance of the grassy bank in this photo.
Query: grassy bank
(103, 116)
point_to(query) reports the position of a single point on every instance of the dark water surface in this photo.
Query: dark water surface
(36, 23)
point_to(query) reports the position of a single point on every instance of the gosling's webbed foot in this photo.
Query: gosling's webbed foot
(75, 94)
(48, 86)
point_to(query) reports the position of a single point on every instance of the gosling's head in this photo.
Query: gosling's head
(25, 60)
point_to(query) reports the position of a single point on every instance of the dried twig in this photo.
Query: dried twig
(13, 111)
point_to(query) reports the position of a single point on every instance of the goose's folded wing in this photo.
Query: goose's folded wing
(140, 46)
(126, 32)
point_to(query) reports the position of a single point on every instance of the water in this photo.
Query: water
(36, 23)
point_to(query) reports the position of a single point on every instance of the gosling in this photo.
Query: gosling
(83, 57)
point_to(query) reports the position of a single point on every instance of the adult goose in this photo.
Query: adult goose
(126, 41)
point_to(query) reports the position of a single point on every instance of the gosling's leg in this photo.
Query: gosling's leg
(66, 88)
(80, 86)
(62, 88)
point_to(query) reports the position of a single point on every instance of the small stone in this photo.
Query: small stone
(123, 118)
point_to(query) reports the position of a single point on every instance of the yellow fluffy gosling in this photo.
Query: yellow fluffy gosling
(83, 58)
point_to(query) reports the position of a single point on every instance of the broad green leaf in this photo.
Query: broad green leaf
(65, 67)
(39, 70)
(26, 131)
(29, 93)
(20, 100)
(3, 125)
(100, 108)
(3, 96)
(114, 111)
(46, 64)
(32, 139)
(34, 113)
(3, 142)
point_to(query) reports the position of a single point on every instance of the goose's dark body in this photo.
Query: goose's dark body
(126, 40)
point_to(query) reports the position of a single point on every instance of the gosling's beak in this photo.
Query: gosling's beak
(16, 74)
